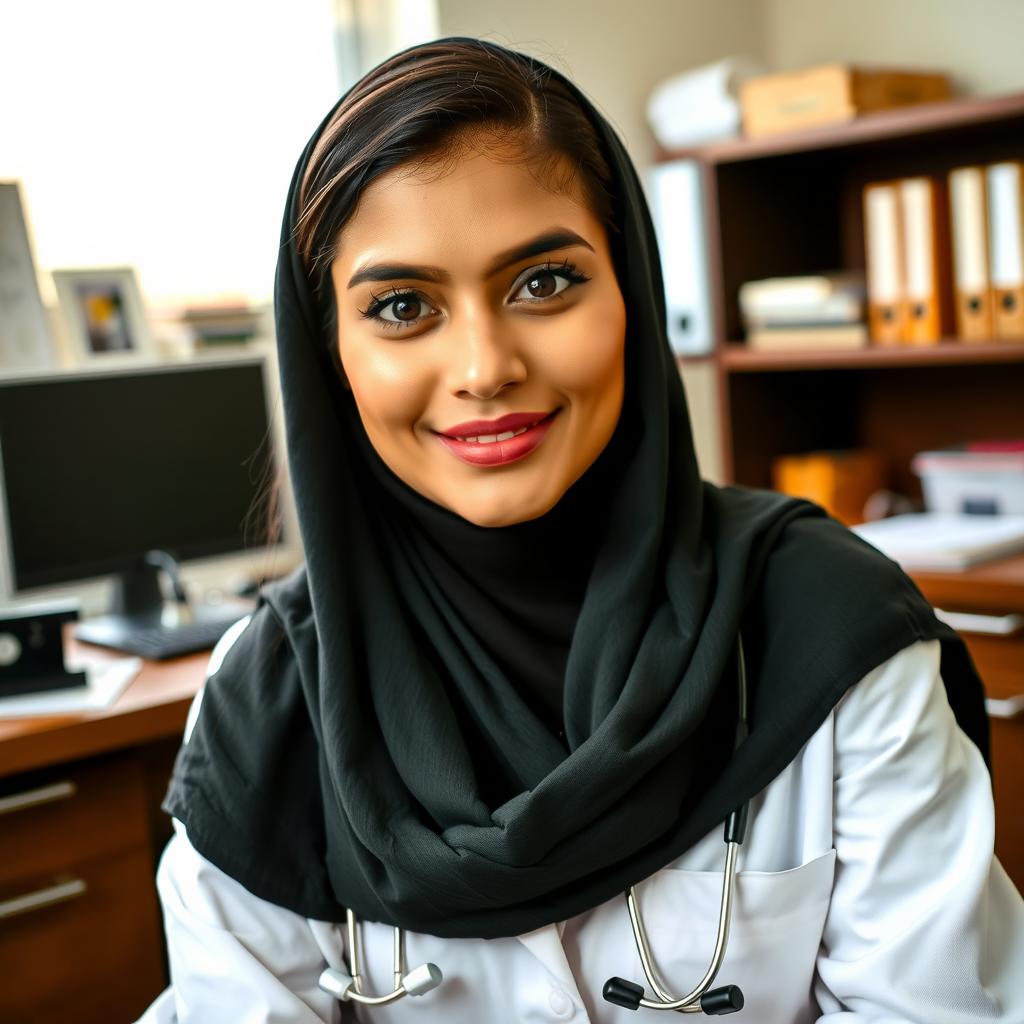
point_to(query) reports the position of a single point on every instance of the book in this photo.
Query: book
(808, 338)
(834, 295)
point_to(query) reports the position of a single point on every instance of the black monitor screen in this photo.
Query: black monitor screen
(98, 469)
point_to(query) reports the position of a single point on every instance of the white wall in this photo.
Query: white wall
(978, 41)
(615, 52)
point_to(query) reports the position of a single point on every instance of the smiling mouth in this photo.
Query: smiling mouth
(499, 449)
(505, 435)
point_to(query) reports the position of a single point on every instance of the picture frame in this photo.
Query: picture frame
(25, 337)
(103, 313)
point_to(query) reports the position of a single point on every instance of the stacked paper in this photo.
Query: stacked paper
(942, 542)
(701, 105)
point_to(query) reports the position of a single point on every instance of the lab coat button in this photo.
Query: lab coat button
(560, 1003)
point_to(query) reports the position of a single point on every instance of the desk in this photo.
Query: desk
(94, 837)
(997, 589)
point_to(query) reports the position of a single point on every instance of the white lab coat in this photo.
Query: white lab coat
(867, 891)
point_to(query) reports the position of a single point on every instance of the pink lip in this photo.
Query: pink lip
(499, 453)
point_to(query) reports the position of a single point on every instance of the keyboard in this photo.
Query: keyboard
(160, 642)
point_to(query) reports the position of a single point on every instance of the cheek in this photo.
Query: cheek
(590, 360)
(390, 391)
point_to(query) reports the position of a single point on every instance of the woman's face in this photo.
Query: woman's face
(481, 305)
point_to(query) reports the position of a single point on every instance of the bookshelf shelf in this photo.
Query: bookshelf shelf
(884, 127)
(736, 357)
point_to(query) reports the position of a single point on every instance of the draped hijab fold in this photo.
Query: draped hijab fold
(473, 732)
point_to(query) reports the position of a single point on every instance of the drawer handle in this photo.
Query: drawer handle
(1010, 707)
(968, 622)
(59, 893)
(35, 797)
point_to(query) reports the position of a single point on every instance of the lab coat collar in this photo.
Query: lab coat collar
(546, 945)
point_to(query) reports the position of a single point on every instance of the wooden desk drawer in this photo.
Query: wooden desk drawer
(1000, 662)
(94, 959)
(54, 820)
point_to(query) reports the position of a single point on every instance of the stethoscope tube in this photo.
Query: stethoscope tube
(702, 999)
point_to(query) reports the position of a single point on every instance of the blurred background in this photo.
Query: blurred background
(838, 192)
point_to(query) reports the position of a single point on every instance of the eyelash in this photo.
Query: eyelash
(565, 269)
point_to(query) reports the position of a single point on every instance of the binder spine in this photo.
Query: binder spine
(886, 310)
(1006, 247)
(971, 284)
(925, 224)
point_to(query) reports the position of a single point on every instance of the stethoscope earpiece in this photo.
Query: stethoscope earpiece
(715, 1003)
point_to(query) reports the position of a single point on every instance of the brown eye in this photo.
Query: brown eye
(540, 286)
(405, 309)
(543, 283)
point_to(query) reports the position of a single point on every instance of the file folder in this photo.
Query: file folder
(1006, 247)
(677, 209)
(972, 292)
(927, 288)
(884, 263)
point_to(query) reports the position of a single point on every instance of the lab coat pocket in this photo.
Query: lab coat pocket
(777, 923)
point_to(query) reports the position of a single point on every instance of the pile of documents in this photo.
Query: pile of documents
(821, 311)
(930, 541)
(222, 324)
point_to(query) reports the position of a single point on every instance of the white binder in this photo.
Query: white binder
(968, 209)
(677, 208)
(884, 252)
(1006, 246)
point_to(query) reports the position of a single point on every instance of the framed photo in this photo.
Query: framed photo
(102, 308)
(25, 339)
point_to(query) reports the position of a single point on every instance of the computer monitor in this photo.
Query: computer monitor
(100, 467)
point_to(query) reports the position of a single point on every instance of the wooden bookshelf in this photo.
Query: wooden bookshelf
(791, 205)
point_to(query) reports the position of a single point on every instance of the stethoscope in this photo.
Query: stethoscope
(703, 999)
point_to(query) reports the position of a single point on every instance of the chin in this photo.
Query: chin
(502, 511)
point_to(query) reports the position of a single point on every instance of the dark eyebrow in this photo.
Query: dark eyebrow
(556, 238)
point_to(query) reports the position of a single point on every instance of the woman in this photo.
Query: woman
(504, 687)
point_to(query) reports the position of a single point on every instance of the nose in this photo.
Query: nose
(484, 357)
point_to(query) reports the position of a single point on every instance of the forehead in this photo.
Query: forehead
(472, 206)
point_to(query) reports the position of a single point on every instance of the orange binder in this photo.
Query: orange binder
(972, 291)
(1005, 183)
(927, 284)
(883, 252)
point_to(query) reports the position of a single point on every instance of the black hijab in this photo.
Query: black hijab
(474, 732)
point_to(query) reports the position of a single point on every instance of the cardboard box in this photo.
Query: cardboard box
(840, 481)
(831, 93)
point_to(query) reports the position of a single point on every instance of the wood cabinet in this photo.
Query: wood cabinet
(79, 924)
(791, 205)
(80, 832)
(996, 590)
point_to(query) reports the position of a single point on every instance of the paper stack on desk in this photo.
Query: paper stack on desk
(927, 541)
(107, 680)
